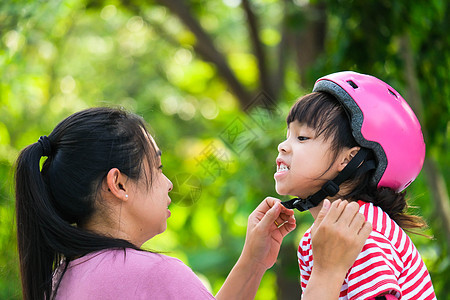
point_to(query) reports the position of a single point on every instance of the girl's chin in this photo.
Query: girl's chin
(281, 191)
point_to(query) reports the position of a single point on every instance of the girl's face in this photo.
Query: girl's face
(151, 203)
(304, 163)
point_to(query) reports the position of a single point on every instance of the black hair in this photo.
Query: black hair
(323, 113)
(327, 118)
(53, 204)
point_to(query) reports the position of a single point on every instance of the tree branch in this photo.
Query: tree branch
(310, 41)
(258, 49)
(205, 47)
(278, 80)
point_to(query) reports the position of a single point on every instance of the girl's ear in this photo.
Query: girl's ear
(347, 156)
(116, 183)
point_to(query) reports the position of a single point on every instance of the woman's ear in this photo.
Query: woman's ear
(116, 183)
(347, 156)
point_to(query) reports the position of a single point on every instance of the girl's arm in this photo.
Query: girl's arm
(337, 237)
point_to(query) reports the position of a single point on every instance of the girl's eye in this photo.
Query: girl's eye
(302, 138)
(160, 167)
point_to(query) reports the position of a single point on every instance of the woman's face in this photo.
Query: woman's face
(150, 206)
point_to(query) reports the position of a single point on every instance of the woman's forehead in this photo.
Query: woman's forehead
(153, 142)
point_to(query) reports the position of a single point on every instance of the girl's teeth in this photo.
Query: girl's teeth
(282, 168)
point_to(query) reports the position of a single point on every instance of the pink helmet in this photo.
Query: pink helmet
(381, 120)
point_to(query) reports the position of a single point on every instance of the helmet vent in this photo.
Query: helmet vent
(352, 84)
(392, 93)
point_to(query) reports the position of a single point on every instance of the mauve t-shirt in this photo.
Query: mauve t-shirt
(114, 274)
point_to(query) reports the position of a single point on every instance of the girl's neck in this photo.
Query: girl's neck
(315, 210)
(345, 189)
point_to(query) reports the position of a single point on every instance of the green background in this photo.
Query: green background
(215, 80)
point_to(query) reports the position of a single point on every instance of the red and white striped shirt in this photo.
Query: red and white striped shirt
(389, 263)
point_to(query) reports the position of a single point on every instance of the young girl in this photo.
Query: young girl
(356, 138)
(101, 193)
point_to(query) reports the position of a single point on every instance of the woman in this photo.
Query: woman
(101, 194)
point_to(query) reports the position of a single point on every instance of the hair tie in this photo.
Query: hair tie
(46, 145)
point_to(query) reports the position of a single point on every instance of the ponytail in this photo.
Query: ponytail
(48, 234)
(393, 203)
(36, 256)
(396, 206)
(43, 237)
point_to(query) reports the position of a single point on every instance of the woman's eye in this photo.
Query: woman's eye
(160, 167)
(302, 138)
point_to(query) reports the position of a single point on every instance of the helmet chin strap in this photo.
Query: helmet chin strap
(331, 187)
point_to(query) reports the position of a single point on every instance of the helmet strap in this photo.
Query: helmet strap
(331, 187)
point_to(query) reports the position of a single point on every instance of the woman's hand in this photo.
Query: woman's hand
(261, 248)
(338, 235)
(267, 225)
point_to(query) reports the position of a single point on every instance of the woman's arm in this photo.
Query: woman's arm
(338, 235)
(262, 244)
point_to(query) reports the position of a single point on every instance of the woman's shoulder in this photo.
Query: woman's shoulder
(131, 260)
(134, 273)
(167, 275)
(141, 258)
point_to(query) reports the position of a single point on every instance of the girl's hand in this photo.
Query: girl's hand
(268, 224)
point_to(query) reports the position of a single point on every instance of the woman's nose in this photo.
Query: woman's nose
(170, 183)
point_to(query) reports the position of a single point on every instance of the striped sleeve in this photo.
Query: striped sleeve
(375, 271)
(305, 259)
(389, 263)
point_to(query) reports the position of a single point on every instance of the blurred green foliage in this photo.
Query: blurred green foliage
(60, 56)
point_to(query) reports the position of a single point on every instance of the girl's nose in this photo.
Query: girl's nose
(283, 147)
